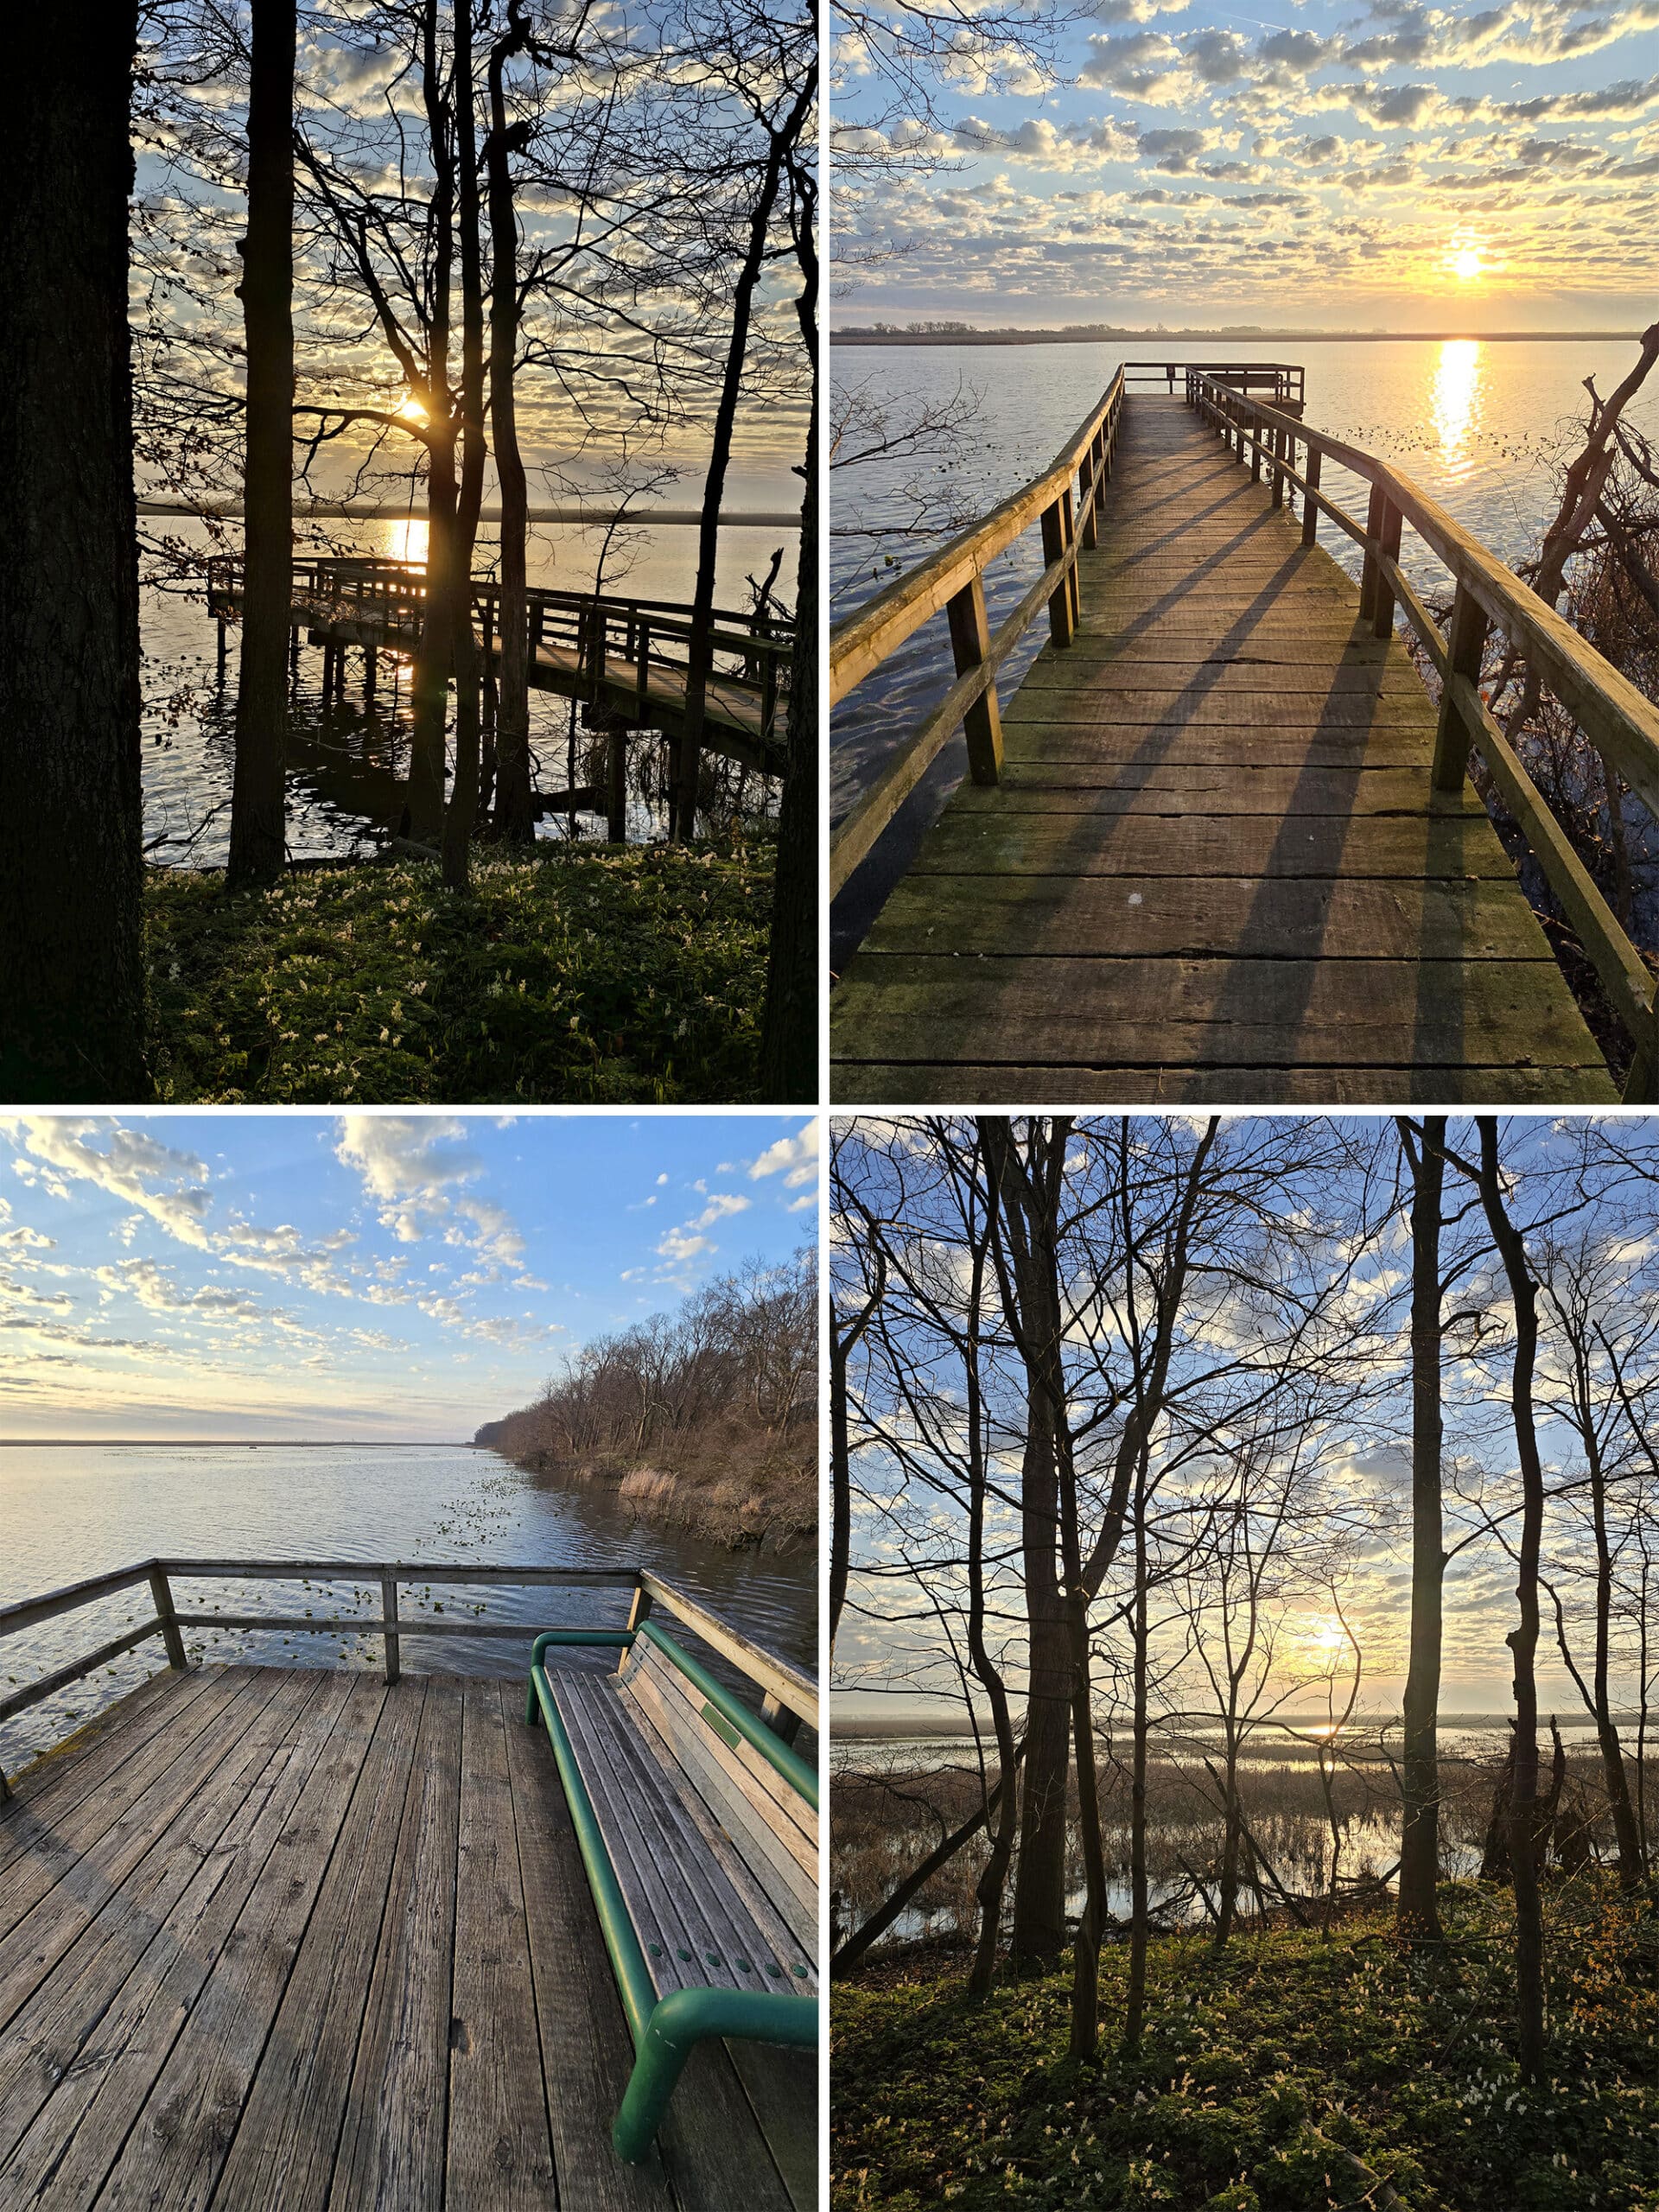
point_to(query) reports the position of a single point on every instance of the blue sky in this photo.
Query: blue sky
(1389, 166)
(312, 1275)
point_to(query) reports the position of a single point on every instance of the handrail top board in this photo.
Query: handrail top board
(865, 639)
(1578, 675)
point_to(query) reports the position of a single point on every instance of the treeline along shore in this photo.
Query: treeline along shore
(704, 1417)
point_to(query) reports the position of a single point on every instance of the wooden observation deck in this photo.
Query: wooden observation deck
(321, 1939)
(1220, 845)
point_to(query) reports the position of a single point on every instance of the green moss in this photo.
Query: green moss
(1260, 2069)
(619, 975)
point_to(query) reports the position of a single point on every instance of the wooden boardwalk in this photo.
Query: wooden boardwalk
(274, 1939)
(1214, 870)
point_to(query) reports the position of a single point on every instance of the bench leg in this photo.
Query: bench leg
(678, 2022)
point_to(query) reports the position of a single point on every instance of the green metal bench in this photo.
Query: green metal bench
(698, 1826)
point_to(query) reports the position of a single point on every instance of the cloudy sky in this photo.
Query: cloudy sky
(1395, 166)
(314, 1276)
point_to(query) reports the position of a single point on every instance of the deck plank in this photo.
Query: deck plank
(1215, 865)
(171, 2160)
(391, 2140)
(286, 2139)
(499, 2156)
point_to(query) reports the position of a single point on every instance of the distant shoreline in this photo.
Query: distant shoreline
(237, 1443)
(860, 336)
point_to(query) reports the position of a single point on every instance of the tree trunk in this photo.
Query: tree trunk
(1232, 1828)
(1134, 2011)
(515, 820)
(1625, 1834)
(992, 1880)
(1524, 1637)
(71, 980)
(428, 680)
(1417, 1913)
(689, 744)
(259, 793)
(463, 798)
(789, 1024)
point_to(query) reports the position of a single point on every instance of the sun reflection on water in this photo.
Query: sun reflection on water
(404, 541)
(1457, 398)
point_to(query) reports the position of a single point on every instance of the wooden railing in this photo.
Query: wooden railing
(750, 650)
(1065, 500)
(1618, 722)
(789, 1697)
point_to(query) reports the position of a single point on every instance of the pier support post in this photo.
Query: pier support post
(971, 641)
(1382, 619)
(221, 652)
(1464, 646)
(1310, 504)
(162, 1591)
(1368, 573)
(371, 670)
(616, 786)
(389, 1615)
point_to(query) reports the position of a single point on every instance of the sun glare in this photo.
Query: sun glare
(412, 410)
(1465, 263)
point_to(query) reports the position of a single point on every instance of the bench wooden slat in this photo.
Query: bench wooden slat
(768, 1824)
(679, 1894)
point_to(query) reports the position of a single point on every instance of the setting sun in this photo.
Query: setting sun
(1464, 263)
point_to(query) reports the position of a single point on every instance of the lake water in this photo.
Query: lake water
(347, 775)
(70, 1512)
(1482, 427)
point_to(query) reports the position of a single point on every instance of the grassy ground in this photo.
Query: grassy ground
(610, 974)
(1258, 2071)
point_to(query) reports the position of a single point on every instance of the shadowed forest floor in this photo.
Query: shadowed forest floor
(613, 975)
(1264, 2074)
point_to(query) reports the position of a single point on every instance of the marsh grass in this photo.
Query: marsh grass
(610, 974)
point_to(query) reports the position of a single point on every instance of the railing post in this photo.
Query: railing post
(389, 1615)
(1310, 504)
(1383, 621)
(970, 640)
(639, 1610)
(1255, 452)
(1056, 536)
(1373, 537)
(162, 1591)
(783, 1723)
(1086, 497)
(1278, 467)
(1464, 646)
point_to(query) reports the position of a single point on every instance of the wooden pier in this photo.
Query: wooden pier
(302, 1937)
(1220, 845)
(627, 661)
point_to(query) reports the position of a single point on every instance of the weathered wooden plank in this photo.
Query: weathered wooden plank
(1256, 845)
(586, 2052)
(171, 2160)
(1131, 917)
(50, 1787)
(44, 2042)
(69, 2153)
(59, 1884)
(499, 2155)
(1144, 790)
(916, 1083)
(1045, 745)
(392, 2133)
(1250, 1013)
(282, 2152)
(1221, 676)
(782, 2087)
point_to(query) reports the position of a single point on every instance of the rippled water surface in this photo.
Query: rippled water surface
(1480, 425)
(71, 1512)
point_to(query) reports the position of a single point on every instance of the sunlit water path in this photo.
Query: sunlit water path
(73, 1511)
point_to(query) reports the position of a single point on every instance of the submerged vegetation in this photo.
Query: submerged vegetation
(616, 975)
(1297, 2070)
